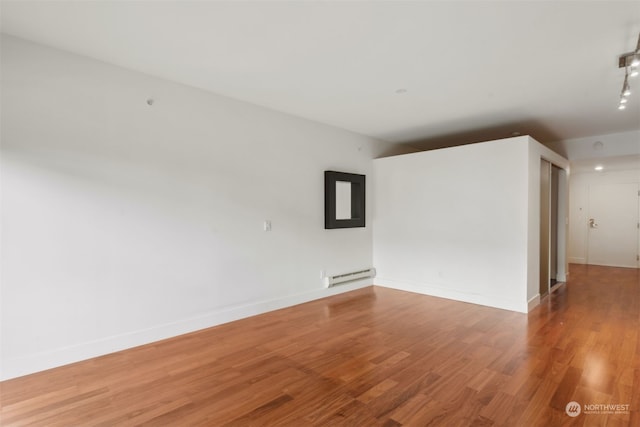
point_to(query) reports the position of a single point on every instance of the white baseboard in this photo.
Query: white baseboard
(603, 264)
(577, 260)
(426, 289)
(533, 302)
(16, 367)
(555, 287)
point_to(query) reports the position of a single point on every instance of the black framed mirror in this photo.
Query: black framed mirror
(344, 200)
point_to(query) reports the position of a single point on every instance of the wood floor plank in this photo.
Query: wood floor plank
(372, 357)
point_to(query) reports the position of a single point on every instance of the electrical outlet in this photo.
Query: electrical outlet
(267, 225)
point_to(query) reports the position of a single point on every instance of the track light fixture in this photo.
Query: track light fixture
(631, 64)
(626, 89)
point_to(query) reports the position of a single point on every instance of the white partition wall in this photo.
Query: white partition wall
(461, 222)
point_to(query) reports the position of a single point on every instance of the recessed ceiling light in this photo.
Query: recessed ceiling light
(401, 90)
(599, 168)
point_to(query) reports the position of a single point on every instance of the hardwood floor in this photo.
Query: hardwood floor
(373, 357)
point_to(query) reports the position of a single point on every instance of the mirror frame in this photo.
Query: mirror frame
(357, 200)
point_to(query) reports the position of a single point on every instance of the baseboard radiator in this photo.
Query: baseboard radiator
(330, 281)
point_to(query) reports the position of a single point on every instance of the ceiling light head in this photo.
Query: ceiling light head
(621, 107)
(623, 100)
(635, 61)
(599, 167)
(634, 72)
(626, 89)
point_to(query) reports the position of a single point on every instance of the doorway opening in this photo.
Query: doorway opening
(553, 210)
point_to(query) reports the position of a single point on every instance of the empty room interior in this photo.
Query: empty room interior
(288, 213)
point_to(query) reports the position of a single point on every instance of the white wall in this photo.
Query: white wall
(453, 222)
(124, 223)
(579, 205)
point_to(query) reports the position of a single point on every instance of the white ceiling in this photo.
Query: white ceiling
(616, 163)
(471, 70)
